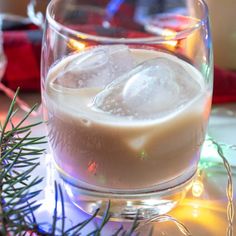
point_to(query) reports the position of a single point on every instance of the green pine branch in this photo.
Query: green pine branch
(19, 157)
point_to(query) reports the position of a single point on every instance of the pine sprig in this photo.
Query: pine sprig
(19, 156)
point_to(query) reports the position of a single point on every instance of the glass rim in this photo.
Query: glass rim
(59, 27)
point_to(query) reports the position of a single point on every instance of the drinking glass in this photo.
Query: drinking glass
(126, 92)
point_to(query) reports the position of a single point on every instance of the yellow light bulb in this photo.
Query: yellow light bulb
(76, 45)
(197, 188)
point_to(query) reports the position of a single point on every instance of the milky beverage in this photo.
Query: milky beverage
(125, 119)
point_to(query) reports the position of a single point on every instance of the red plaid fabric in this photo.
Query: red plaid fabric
(23, 49)
(224, 86)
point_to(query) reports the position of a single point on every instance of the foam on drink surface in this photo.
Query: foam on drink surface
(140, 125)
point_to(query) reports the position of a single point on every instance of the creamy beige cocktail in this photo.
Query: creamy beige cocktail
(126, 138)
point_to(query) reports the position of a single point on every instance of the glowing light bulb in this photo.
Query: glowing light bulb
(195, 213)
(197, 188)
(76, 45)
(171, 43)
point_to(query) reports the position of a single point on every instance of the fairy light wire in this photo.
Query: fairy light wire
(167, 218)
(229, 189)
(230, 198)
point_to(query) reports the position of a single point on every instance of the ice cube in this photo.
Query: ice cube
(96, 67)
(87, 69)
(152, 89)
(121, 59)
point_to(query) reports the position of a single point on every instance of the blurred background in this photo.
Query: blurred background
(12, 7)
(22, 23)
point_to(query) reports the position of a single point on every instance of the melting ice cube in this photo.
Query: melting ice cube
(121, 60)
(96, 67)
(152, 89)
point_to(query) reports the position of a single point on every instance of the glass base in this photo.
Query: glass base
(125, 206)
